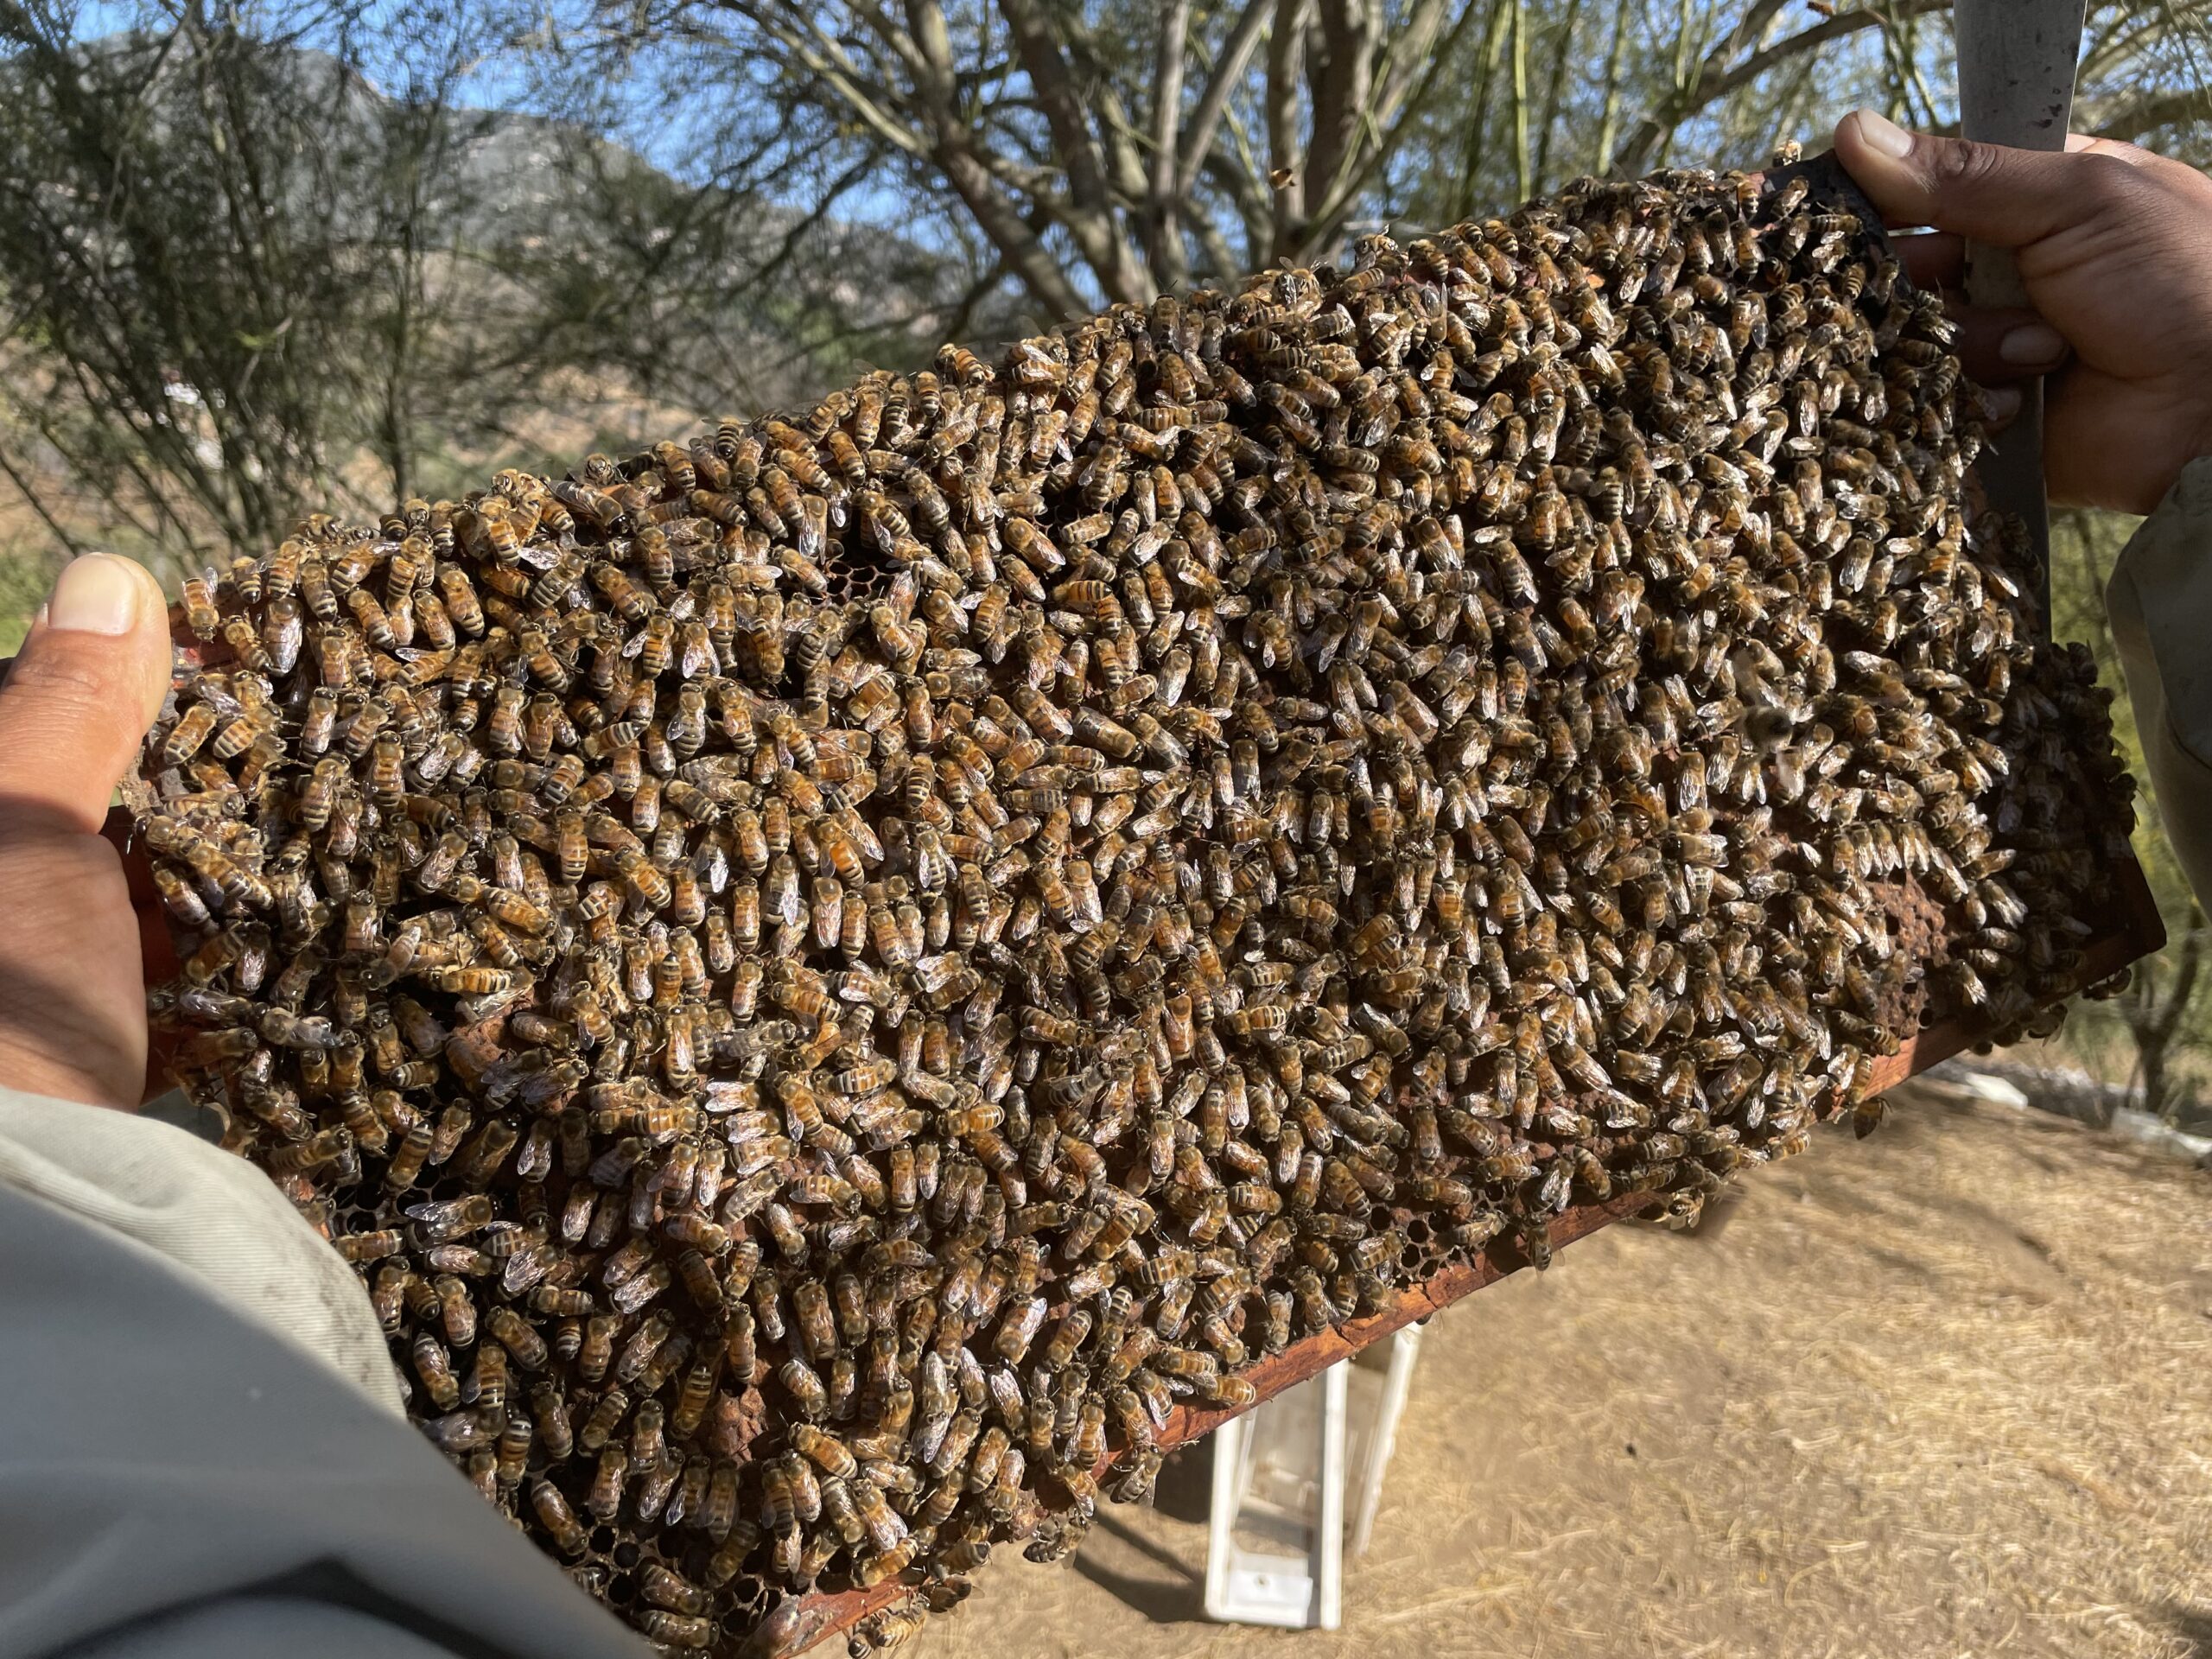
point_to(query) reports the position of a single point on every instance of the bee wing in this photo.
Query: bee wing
(698, 655)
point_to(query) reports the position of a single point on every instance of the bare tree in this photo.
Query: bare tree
(1104, 160)
(243, 270)
(1746, 51)
(2158, 1008)
(2146, 76)
(1104, 153)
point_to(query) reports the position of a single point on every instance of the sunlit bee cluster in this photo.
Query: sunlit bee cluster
(831, 977)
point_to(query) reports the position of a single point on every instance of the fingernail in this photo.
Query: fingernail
(1999, 404)
(2032, 343)
(1885, 135)
(97, 593)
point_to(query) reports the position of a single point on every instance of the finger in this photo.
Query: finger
(72, 996)
(84, 689)
(1998, 346)
(2084, 143)
(1987, 193)
(1934, 259)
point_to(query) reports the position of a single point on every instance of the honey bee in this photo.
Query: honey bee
(887, 1564)
(675, 1629)
(569, 1534)
(459, 599)
(199, 612)
(804, 1386)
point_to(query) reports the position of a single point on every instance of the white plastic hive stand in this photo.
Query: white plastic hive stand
(1275, 1545)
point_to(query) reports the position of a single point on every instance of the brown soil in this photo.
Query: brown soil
(1947, 1391)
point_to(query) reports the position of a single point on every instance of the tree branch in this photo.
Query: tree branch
(1555, 85)
(2131, 121)
(1170, 268)
(1478, 127)
(825, 59)
(34, 498)
(1409, 52)
(1715, 81)
(1235, 58)
(1608, 118)
(1090, 219)
(1339, 79)
(2188, 961)
(1286, 59)
(1523, 182)
(1026, 256)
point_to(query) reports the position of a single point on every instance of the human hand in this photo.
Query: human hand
(83, 691)
(2114, 247)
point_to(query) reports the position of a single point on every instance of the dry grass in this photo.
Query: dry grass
(1945, 1392)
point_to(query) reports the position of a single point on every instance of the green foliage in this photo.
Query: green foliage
(26, 573)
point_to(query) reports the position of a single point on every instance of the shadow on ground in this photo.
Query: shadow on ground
(2192, 1624)
(1165, 1582)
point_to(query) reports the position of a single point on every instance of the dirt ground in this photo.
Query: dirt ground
(1947, 1391)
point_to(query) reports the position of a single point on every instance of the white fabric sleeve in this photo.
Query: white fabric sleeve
(2159, 599)
(264, 1627)
(207, 1212)
(198, 1459)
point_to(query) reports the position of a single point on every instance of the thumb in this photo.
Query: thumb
(1985, 192)
(83, 691)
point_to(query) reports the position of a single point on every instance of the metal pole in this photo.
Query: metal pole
(2016, 86)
